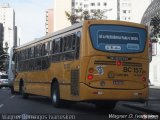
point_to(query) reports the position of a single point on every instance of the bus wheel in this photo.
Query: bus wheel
(22, 92)
(106, 105)
(55, 95)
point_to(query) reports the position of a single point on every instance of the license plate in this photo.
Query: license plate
(118, 82)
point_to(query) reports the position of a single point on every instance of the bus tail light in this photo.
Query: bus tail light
(90, 77)
(118, 63)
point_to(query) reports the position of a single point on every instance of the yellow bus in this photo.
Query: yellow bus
(98, 61)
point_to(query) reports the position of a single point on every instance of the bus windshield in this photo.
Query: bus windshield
(118, 38)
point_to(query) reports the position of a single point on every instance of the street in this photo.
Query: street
(15, 104)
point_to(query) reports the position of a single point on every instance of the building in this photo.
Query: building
(1, 36)
(60, 20)
(138, 9)
(110, 7)
(49, 21)
(7, 18)
(114, 9)
(153, 10)
(124, 10)
(15, 44)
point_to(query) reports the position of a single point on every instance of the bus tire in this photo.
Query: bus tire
(55, 95)
(22, 92)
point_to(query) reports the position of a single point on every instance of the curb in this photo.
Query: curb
(141, 108)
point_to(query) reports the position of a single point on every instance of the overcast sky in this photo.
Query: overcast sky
(30, 17)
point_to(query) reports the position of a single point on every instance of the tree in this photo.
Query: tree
(78, 15)
(72, 17)
(155, 27)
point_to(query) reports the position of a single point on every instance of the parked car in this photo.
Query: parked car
(4, 82)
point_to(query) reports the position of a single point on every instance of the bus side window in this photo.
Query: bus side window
(43, 50)
(15, 60)
(78, 38)
(53, 47)
(57, 45)
(65, 43)
(47, 48)
(73, 41)
(45, 60)
(38, 51)
(32, 52)
(38, 64)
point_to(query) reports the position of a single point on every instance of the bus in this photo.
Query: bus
(97, 61)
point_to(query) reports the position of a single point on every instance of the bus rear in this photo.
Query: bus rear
(115, 62)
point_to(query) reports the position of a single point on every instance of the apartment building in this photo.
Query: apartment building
(49, 21)
(1, 37)
(7, 18)
(152, 11)
(60, 20)
(110, 7)
(124, 10)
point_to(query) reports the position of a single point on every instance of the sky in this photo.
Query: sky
(30, 17)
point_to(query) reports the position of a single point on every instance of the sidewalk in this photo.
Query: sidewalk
(152, 106)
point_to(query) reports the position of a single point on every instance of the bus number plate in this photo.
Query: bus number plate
(118, 82)
(131, 69)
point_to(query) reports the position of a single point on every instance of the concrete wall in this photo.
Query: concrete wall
(60, 20)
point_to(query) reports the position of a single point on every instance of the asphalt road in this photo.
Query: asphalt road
(37, 105)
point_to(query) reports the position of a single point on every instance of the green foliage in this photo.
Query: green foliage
(155, 26)
(72, 17)
(78, 15)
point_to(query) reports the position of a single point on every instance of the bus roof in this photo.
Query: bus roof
(75, 26)
(36, 40)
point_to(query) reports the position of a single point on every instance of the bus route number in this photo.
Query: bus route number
(131, 69)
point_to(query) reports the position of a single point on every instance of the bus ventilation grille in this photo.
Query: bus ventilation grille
(75, 82)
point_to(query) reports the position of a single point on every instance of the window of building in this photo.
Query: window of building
(129, 11)
(92, 10)
(85, 5)
(80, 4)
(105, 4)
(98, 10)
(124, 11)
(92, 4)
(98, 4)
(73, 3)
